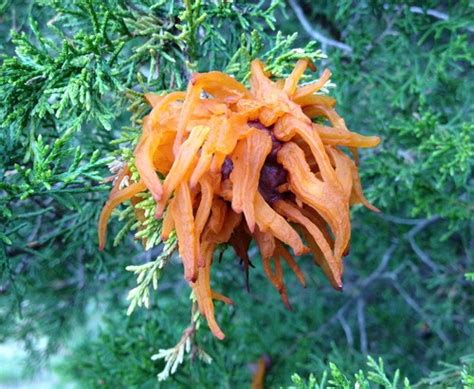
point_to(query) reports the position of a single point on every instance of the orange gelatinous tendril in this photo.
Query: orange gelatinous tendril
(227, 164)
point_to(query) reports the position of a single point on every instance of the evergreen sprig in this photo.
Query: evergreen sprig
(148, 275)
(68, 73)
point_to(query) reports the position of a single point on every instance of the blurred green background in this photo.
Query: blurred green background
(69, 70)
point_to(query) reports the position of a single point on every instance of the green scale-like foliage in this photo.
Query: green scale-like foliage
(72, 75)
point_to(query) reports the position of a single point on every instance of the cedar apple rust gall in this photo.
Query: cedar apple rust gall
(227, 164)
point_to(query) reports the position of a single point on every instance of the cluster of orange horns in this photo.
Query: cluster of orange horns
(228, 165)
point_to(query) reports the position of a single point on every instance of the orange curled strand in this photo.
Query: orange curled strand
(330, 265)
(191, 100)
(204, 209)
(218, 213)
(326, 199)
(276, 277)
(182, 165)
(182, 214)
(205, 158)
(203, 292)
(288, 127)
(343, 165)
(309, 89)
(306, 102)
(265, 242)
(232, 221)
(357, 195)
(248, 159)
(291, 83)
(220, 297)
(269, 220)
(160, 108)
(113, 202)
(283, 252)
(338, 137)
(168, 224)
(144, 164)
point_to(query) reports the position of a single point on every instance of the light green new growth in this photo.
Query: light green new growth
(174, 356)
(148, 275)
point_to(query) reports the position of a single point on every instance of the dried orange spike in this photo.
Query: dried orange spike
(326, 198)
(203, 165)
(284, 253)
(278, 272)
(331, 265)
(115, 199)
(291, 83)
(202, 286)
(248, 159)
(258, 78)
(162, 151)
(268, 220)
(331, 114)
(309, 89)
(338, 134)
(182, 165)
(182, 213)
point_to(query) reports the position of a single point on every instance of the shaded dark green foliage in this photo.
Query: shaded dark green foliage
(66, 80)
